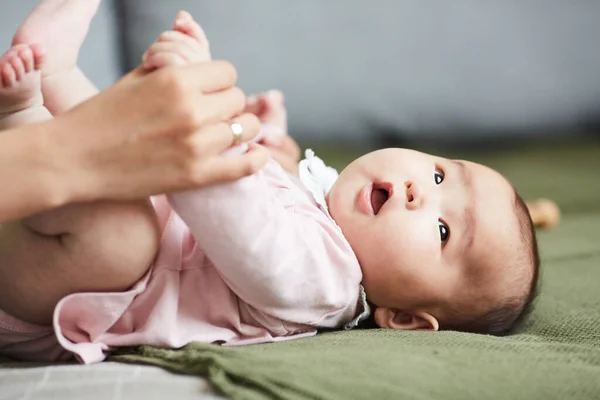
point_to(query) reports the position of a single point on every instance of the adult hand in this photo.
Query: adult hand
(152, 133)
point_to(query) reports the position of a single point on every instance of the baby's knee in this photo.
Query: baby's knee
(118, 243)
(104, 247)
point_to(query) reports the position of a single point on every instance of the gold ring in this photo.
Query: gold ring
(237, 130)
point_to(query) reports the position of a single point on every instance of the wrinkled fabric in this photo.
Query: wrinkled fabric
(256, 260)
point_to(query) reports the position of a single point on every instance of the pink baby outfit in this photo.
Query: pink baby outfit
(257, 260)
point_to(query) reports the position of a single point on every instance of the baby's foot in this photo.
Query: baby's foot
(20, 79)
(60, 27)
(186, 43)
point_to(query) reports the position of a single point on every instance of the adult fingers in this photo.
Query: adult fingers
(163, 59)
(193, 83)
(218, 137)
(219, 106)
(224, 169)
(209, 77)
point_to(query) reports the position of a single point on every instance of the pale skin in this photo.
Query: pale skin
(71, 254)
(183, 144)
(428, 232)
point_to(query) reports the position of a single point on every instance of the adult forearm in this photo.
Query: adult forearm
(30, 177)
(150, 133)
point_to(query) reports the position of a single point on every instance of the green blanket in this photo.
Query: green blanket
(556, 356)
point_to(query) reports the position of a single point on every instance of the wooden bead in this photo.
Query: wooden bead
(545, 213)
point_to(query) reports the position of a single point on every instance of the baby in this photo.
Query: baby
(401, 239)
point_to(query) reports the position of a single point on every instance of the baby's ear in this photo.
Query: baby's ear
(390, 318)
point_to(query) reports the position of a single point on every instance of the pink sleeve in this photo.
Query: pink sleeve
(276, 250)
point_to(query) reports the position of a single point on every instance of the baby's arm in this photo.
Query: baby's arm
(277, 252)
(283, 259)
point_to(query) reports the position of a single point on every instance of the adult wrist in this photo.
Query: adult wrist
(30, 173)
(55, 166)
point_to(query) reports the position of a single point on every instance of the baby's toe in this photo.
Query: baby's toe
(18, 66)
(26, 56)
(186, 24)
(8, 75)
(39, 56)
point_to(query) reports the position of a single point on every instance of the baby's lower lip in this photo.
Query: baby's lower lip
(364, 200)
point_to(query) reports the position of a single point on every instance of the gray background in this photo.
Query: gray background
(359, 70)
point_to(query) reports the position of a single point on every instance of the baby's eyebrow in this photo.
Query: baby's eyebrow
(468, 218)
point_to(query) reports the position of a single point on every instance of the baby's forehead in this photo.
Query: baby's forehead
(430, 155)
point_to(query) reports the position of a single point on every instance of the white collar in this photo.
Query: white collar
(317, 177)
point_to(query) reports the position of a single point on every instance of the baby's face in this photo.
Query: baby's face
(428, 232)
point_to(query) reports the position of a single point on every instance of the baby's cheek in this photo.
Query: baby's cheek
(416, 229)
(413, 240)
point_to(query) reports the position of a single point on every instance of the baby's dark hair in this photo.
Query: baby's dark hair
(508, 315)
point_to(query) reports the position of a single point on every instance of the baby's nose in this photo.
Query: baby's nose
(414, 195)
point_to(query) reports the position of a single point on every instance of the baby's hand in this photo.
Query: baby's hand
(186, 43)
(270, 109)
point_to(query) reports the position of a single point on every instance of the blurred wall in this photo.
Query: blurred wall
(360, 70)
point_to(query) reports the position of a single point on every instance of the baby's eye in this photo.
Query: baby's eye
(444, 231)
(438, 177)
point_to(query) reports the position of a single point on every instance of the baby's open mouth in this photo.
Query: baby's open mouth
(379, 195)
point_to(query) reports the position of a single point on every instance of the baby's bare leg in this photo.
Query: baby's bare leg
(86, 247)
(20, 96)
(103, 246)
(92, 247)
(60, 26)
